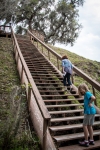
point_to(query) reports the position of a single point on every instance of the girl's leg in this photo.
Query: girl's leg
(85, 142)
(64, 80)
(90, 130)
(85, 129)
(68, 79)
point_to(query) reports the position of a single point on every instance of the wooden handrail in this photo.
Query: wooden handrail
(38, 97)
(48, 48)
(45, 114)
(95, 84)
(4, 26)
(4, 29)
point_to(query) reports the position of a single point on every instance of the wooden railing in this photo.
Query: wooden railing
(37, 42)
(5, 29)
(38, 34)
(32, 88)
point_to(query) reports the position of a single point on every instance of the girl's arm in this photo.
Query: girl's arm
(63, 69)
(92, 99)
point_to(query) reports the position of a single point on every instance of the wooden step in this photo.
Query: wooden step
(41, 71)
(49, 87)
(46, 80)
(66, 111)
(73, 136)
(58, 78)
(70, 118)
(77, 147)
(52, 90)
(48, 83)
(66, 118)
(50, 74)
(60, 95)
(31, 63)
(37, 59)
(38, 66)
(40, 58)
(65, 105)
(68, 127)
(62, 100)
(43, 74)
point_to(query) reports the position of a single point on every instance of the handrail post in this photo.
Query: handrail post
(17, 59)
(72, 78)
(49, 54)
(14, 48)
(57, 63)
(22, 74)
(37, 44)
(29, 96)
(42, 48)
(45, 127)
(33, 40)
(94, 95)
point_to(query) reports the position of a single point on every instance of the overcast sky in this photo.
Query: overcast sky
(88, 42)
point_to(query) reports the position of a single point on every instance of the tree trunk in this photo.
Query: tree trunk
(30, 25)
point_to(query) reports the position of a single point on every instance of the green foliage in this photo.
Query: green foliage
(8, 73)
(7, 9)
(57, 20)
(91, 68)
(15, 131)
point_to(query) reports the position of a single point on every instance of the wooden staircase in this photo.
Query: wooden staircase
(65, 108)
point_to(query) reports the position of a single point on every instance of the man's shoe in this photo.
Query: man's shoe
(84, 143)
(92, 142)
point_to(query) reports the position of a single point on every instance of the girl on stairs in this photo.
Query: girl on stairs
(67, 71)
(89, 114)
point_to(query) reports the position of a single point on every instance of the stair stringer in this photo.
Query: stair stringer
(37, 121)
(36, 117)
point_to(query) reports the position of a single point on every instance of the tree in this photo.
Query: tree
(31, 13)
(64, 27)
(56, 19)
(76, 2)
(7, 9)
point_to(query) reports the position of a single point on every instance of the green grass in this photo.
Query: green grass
(15, 133)
(91, 68)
